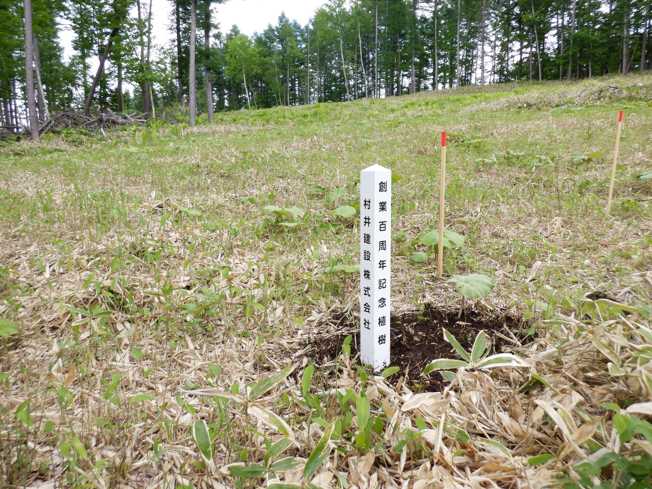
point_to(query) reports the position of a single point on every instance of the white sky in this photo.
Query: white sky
(249, 15)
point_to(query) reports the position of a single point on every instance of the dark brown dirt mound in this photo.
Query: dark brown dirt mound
(418, 339)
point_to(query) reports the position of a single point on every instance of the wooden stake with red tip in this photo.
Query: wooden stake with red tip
(613, 169)
(442, 195)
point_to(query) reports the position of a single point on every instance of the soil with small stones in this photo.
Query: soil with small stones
(418, 338)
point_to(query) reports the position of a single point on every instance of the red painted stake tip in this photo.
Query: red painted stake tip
(443, 138)
(620, 117)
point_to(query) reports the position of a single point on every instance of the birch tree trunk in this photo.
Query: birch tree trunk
(43, 110)
(29, 70)
(364, 72)
(192, 92)
(570, 48)
(100, 70)
(182, 101)
(482, 40)
(536, 38)
(435, 75)
(457, 62)
(626, 42)
(207, 59)
(376, 86)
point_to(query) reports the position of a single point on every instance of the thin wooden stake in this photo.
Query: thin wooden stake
(613, 169)
(442, 198)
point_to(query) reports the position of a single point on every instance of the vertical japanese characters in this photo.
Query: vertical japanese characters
(375, 264)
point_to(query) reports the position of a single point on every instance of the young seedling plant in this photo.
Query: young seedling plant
(474, 286)
(478, 357)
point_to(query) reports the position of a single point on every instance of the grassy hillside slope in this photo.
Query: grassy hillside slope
(140, 266)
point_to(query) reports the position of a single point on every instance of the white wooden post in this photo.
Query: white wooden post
(375, 264)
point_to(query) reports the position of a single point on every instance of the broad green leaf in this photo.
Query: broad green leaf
(615, 370)
(646, 176)
(276, 449)
(362, 409)
(335, 194)
(305, 380)
(8, 328)
(285, 464)
(458, 348)
(288, 224)
(266, 384)
(267, 416)
(595, 155)
(479, 347)
(295, 211)
(537, 379)
(498, 445)
(271, 208)
(501, 360)
(473, 286)
(79, 448)
(389, 371)
(345, 211)
(419, 256)
(617, 305)
(141, 397)
(316, 458)
(444, 364)
(453, 238)
(49, 427)
(253, 470)
(136, 353)
(429, 239)
(540, 459)
(202, 438)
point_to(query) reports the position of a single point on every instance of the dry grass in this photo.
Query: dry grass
(133, 264)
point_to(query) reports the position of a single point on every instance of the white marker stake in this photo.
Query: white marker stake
(375, 264)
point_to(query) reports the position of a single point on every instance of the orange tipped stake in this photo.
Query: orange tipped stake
(442, 196)
(613, 169)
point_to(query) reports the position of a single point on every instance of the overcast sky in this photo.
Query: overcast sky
(249, 15)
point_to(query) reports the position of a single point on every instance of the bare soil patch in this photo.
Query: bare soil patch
(418, 339)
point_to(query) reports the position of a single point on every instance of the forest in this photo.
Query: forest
(349, 50)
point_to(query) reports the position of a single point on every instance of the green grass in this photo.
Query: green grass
(147, 253)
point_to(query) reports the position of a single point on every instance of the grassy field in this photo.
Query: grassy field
(156, 319)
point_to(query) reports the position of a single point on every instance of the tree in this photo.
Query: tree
(29, 70)
(192, 92)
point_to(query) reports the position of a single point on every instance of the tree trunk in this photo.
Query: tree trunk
(570, 48)
(44, 112)
(482, 40)
(364, 72)
(645, 27)
(536, 38)
(148, 65)
(435, 74)
(376, 86)
(561, 45)
(100, 70)
(192, 92)
(308, 68)
(29, 70)
(530, 56)
(413, 86)
(244, 77)
(121, 100)
(207, 60)
(626, 42)
(141, 41)
(182, 101)
(457, 65)
(346, 81)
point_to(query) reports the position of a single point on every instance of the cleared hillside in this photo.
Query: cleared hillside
(140, 266)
